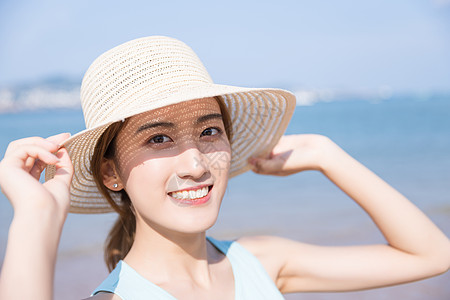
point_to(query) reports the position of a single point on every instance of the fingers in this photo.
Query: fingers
(51, 143)
(58, 139)
(59, 185)
(29, 163)
(39, 166)
(34, 153)
(22, 166)
(64, 168)
(270, 166)
(35, 141)
(24, 152)
(37, 169)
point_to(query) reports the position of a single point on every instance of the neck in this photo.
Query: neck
(174, 255)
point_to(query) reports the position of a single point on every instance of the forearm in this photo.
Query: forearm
(28, 268)
(403, 225)
(416, 248)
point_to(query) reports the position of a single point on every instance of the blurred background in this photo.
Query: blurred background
(372, 75)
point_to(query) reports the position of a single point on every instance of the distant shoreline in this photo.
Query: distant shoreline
(61, 93)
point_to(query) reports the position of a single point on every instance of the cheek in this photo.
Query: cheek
(219, 168)
(217, 155)
(219, 162)
(135, 165)
(146, 180)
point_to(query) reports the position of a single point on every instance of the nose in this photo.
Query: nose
(191, 163)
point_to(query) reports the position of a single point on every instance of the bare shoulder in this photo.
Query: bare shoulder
(269, 250)
(104, 296)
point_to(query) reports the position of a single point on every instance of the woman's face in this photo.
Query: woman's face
(173, 162)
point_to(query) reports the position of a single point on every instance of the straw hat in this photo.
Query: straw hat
(153, 72)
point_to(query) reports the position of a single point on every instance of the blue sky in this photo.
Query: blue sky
(403, 44)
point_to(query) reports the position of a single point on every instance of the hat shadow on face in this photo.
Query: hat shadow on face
(189, 139)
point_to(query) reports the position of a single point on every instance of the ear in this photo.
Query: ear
(110, 176)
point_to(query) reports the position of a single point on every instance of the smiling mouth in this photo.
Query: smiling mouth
(191, 194)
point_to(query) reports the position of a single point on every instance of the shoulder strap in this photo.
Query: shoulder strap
(126, 283)
(250, 278)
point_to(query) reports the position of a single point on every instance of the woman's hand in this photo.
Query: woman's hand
(293, 154)
(20, 169)
(39, 214)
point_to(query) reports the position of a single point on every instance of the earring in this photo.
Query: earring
(115, 185)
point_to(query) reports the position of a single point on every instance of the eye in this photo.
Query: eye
(211, 131)
(159, 139)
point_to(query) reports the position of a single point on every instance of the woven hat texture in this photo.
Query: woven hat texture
(153, 72)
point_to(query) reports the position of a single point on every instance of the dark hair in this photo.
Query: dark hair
(121, 236)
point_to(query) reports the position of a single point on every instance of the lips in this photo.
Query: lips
(196, 195)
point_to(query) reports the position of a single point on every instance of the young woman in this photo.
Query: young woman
(162, 142)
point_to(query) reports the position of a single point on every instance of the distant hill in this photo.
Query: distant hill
(53, 92)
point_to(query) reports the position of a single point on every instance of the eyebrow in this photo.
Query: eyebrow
(208, 117)
(153, 125)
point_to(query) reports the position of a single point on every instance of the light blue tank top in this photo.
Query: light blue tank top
(251, 280)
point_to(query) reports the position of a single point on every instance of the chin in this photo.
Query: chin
(197, 224)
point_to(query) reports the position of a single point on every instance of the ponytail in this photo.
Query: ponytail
(121, 236)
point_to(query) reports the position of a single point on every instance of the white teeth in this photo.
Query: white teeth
(191, 195)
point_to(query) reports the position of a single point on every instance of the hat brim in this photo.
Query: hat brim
(259, 117)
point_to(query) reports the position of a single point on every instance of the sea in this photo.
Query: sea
(404, 138)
